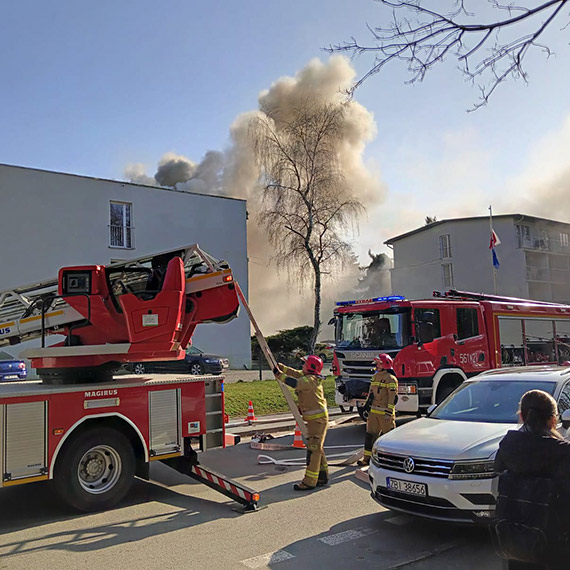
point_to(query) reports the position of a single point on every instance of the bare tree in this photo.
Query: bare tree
(489, 53)
(307, 207)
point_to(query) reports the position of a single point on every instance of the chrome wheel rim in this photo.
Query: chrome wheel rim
(99, 469)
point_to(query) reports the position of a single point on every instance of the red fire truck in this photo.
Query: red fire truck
(92, 431)
(438, 343)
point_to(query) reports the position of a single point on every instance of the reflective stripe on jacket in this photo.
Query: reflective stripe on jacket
(382, 393)
(310, 394)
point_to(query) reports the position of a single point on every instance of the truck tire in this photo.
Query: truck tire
(363, 413)
(95, 469)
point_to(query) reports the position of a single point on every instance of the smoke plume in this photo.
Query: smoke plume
(234, 173)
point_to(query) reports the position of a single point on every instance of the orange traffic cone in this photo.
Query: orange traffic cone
(298, 438)
(250, 413)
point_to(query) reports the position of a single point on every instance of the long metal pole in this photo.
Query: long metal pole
(272, 362)
(491, 236)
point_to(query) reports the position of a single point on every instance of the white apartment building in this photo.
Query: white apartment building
(534, 257)
(52, 219)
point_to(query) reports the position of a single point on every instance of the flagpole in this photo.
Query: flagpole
(494, 268)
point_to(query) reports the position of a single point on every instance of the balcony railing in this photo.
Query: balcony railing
(538, 273)
(121, 236)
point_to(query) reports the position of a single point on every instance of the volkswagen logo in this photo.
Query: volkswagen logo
(409, 465)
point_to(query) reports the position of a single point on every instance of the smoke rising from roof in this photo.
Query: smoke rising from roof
(235, 173)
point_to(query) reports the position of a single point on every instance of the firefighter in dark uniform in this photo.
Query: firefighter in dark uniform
(308, 385)
(381, 403)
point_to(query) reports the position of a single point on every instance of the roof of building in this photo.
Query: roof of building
(469, 219)
(163, 188)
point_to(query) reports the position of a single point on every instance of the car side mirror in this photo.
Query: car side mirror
(432, 408)
(566, 419)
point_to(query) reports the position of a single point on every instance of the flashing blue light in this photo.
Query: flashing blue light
(374, 300)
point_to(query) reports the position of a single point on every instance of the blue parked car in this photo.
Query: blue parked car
(12, 369)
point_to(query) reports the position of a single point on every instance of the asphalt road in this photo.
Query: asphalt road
(176, 523)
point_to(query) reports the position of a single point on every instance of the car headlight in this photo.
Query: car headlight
(473, 470)
(211, 361)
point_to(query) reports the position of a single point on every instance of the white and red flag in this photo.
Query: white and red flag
(495, 241)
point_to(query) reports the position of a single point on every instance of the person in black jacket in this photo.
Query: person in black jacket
(533, 508)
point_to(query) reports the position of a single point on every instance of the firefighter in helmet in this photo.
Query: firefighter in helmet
(381, 404)
(308, 385)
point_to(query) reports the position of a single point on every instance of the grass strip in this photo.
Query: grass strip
(266, 397)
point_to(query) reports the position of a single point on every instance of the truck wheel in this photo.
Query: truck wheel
(196, 368)
(363, 413)
(95, 469)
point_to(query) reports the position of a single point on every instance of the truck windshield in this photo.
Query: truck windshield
(374, 330)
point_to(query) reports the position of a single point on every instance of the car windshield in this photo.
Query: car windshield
(193, 350)
(494, 401)
(373, 330)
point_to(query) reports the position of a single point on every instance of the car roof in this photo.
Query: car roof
(549, 372)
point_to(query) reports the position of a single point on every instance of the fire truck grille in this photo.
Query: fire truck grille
(429, 467)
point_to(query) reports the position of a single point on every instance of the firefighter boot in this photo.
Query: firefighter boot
(368, 443)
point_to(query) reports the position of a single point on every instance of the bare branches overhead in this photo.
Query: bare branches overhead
(488, 52)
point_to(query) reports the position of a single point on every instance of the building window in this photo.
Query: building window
(564, 240)
(445, 246)
(447, 275)
(467, 325)
(523, 235)
(120, 226)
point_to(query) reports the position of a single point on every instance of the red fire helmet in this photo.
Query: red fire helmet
(385, 360)
(313, 363)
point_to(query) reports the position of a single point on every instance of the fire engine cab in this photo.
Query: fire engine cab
(92, 431)
(438, 343)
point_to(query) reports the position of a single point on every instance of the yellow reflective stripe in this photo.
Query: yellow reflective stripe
(379, 412)
(282, 377)
(392, 386)
(375, 383)
(315, 416)
(391, 406)
(367, 453)
(311, 474)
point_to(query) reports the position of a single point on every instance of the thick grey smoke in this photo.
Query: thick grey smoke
(320, 83)
(234, 173)
(174, 169)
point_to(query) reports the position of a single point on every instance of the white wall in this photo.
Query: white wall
(417, 268)
(50, 220)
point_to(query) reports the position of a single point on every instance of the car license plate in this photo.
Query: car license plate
(408, 487)
(10, 377)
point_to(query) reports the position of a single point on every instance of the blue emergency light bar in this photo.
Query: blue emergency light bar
(374, 300)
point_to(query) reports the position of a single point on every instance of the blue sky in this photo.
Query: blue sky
(90, 87)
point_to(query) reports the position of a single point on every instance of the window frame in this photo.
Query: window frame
(445, 246)
(475, 321)
(121, 236)
(443, 275)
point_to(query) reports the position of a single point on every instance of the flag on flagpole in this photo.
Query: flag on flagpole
(496, 263)
(494, 240)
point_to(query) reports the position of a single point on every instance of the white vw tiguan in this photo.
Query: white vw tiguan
(441, 466)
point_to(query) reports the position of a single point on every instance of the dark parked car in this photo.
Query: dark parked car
(195, 362)
(11, 368)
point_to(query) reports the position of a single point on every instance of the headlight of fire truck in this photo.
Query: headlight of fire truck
(408, 389)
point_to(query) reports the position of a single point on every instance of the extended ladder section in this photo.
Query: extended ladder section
(138, 310)
(471, 296)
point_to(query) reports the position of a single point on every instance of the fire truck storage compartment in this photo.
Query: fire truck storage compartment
(164, 408)
(23, 437)
(214, 415)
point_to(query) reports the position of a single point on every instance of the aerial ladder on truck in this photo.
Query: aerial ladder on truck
(88, 430)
